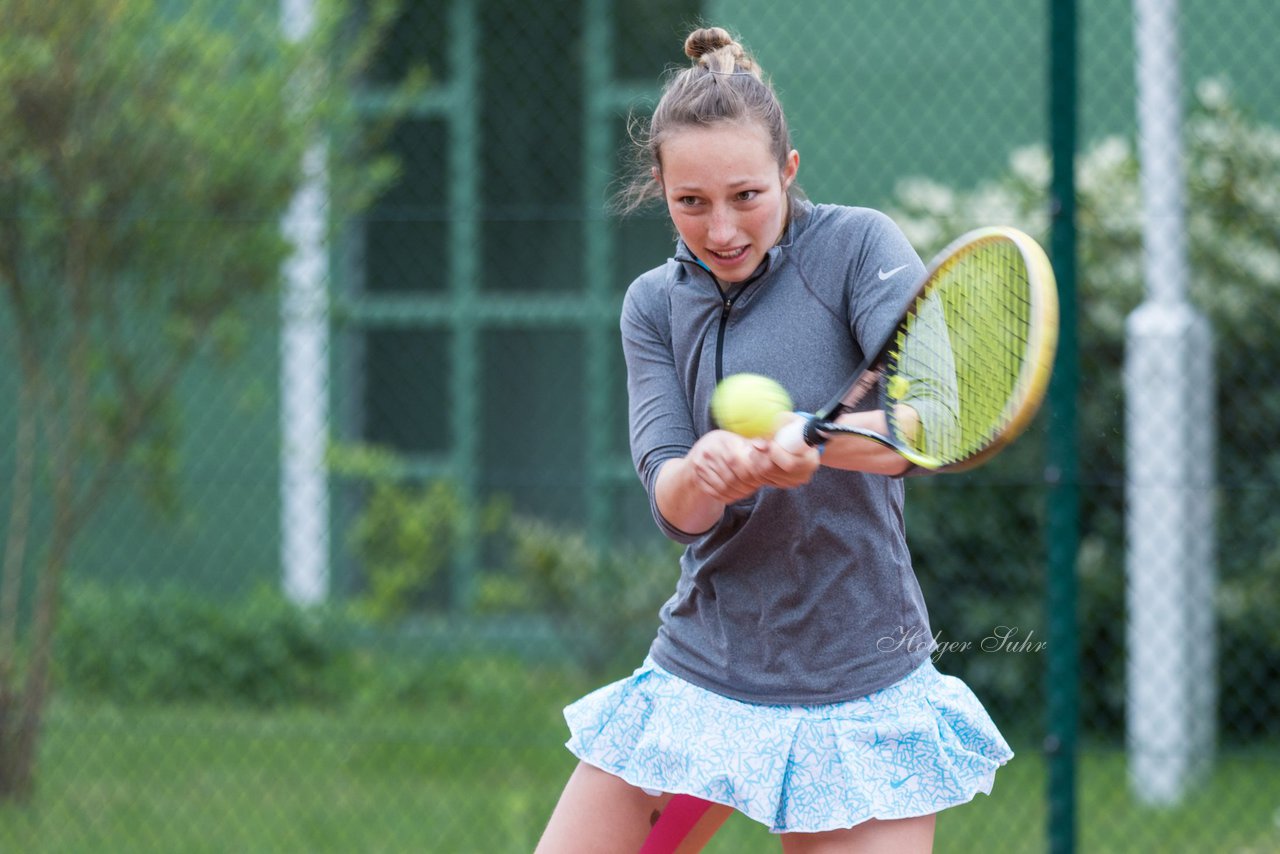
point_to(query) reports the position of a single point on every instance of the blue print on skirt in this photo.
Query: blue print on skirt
(914, 748)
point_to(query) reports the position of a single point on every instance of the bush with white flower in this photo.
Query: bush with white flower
(1233, 229)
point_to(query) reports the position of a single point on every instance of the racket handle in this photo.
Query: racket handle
(675, 824)
(791, 435)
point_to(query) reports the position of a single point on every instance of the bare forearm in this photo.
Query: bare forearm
(682, 502)
(855, 453)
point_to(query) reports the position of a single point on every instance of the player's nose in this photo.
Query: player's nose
(721, 229)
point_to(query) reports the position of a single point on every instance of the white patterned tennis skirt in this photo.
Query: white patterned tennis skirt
(922, 744)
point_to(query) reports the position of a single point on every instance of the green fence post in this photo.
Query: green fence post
(601, 329)
(464, 284)
(1062, 475)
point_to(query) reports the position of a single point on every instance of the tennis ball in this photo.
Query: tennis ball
(750, 405)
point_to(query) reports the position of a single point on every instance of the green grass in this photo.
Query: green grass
(475, 765)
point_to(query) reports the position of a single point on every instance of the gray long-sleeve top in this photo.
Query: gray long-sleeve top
(802, 595)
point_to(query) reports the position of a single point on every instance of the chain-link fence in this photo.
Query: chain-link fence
(318, 504)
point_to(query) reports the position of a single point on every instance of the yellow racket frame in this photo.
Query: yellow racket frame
(1033, 378)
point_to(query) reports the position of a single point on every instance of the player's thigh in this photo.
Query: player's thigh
(601, 813)
(897, 836)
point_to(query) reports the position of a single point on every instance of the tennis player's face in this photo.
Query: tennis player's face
(726, 195)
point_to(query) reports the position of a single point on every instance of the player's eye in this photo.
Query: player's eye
(747, 195)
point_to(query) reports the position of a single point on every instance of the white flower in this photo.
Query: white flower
(1032, 164)
(1100, 164)
(1261, 263)
(1213, 171)
(992, 204)
(1213, 93)
(928, 196)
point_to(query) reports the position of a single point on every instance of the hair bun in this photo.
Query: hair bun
(708, 40)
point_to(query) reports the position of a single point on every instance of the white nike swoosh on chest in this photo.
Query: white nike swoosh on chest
(884, 274)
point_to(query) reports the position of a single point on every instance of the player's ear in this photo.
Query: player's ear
(790, 169)
(657, 176)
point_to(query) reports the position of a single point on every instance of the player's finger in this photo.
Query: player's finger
(787, 469)
(721, 482)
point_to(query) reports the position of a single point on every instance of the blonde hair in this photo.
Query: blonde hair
(724, 84)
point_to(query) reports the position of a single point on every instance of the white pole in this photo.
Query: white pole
(304, 376)
(1170, 448)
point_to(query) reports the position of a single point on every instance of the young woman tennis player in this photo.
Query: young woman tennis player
(791, 677)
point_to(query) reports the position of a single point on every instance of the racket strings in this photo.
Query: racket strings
(959, 358)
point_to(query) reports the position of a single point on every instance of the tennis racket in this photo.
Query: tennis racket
(965, 369)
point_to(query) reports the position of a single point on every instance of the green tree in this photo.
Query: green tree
(148, 152)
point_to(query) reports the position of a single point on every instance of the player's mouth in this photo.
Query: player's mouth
(729, 256)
